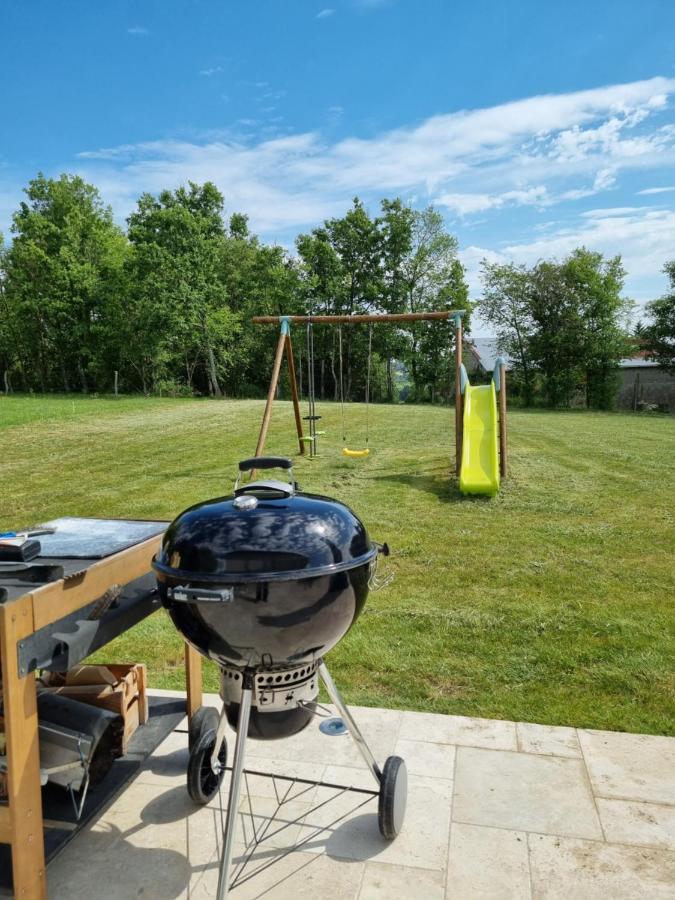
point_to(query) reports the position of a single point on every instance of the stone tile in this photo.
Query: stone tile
(350, 777)
(298, 876)
(630, 822)
(265, 785)
(167, 766)
(490, 863)
(382, 881)
(350, 831)
(275, 825)
(151, 816)
(468, 732)
(425, 758)
(111, 864)
(563, 868)
(549, 740)
(379, 727)
(157, 874)
(630, 766)
(524, 792)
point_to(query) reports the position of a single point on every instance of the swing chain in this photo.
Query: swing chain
(342, 392)
(370, 357)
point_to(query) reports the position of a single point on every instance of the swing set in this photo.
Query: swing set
(480, 460)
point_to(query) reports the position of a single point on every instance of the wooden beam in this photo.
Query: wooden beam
(281, 346)
(294, 392)
(503, 445)
(60, 598)
(360, 319)
(459, 411)
(23, 755)
(193, 678)
(5, 827)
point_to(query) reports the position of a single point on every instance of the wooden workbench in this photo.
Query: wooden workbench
(24, 615)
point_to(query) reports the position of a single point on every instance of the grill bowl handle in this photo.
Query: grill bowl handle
(265, 462)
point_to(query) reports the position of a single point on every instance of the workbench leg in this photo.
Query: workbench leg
(23, 756)
(193, 677)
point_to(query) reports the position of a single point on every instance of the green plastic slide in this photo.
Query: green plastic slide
(479, 473)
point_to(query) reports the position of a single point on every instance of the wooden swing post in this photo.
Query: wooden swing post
(459, 411)
(283, 346)
(503, 445)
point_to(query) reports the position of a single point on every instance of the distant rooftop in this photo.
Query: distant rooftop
(486, 351)
(637, 362)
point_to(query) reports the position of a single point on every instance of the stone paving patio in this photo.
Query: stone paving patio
(495, 810)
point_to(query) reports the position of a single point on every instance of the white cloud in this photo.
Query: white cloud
(657, 190)
(325, 13)
(471, 160)
(465, 204)
(607, 212)
(645, 238)
(137, 30)
(213, 70)
(539, 152)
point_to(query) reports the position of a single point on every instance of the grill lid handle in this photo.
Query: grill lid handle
(285, 488)
(265, 462)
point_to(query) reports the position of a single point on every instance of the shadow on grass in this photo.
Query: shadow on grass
(442, 486)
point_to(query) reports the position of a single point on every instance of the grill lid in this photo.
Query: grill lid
(282, 535)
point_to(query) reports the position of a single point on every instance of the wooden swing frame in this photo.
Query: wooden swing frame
(284, 346)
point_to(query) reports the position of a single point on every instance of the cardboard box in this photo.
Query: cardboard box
(120, 688)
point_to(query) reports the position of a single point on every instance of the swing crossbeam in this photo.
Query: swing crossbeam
(361, 319)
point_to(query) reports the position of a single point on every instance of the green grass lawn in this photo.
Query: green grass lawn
(551, 603)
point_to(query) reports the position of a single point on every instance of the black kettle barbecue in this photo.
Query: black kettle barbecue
(265, 582)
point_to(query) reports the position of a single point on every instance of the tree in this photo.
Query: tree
(563, 320)
(505, 305)
(258, 279)
(57, 275)
(597, 283)
(177, 299)
(401, 260)
(431, 278)
(342, 275)
(658, 335)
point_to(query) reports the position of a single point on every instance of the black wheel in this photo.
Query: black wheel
(204, 719)
(393, 796)
(202, 781)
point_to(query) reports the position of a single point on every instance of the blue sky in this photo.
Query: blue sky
(534, 127)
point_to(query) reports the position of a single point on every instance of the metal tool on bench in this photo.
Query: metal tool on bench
(266, 582)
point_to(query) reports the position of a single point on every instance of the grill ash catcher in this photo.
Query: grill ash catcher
(265, 582)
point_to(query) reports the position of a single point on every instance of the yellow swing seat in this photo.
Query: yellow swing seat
(355, 454)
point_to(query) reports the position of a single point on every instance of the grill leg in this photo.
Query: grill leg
(354, 730)
(235, 789)
(220, 735)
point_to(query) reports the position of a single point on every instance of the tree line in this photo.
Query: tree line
(165, 305)
(565, 326)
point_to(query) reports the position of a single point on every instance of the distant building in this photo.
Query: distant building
(645, 383)
(480, 356)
